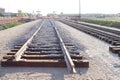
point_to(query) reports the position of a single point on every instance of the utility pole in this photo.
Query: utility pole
(79, 10)
(38, 13)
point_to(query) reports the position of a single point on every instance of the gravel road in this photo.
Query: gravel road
(103, 64)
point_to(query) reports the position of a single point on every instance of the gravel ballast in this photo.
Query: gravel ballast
(103, 64)
(16, 35)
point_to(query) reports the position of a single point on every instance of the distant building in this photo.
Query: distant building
(7, 14)
(2, 10)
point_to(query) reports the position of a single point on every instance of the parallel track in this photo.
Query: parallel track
(108, 35)
(45, 48)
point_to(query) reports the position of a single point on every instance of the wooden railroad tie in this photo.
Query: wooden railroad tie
(40, 60)
(45, 55)
(101, 34)
(115, 49)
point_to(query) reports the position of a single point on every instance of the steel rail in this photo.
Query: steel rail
(19, 53)
(97, 30)
(106, 29)
(68, 59)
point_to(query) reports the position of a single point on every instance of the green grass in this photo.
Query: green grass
(117, 19)
(103, 22)
(12, 24)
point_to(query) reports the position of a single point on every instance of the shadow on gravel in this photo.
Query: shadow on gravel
(82, 70)
(24, 37)
(114, 54)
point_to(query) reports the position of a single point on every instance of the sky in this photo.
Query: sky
(65, 6)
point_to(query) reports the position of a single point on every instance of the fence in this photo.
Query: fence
(4, 20)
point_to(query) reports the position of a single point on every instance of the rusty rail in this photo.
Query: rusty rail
(26, 56)
(68, 59)
(23, 48)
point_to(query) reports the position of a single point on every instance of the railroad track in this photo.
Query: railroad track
(110, 36)
(45, 48)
